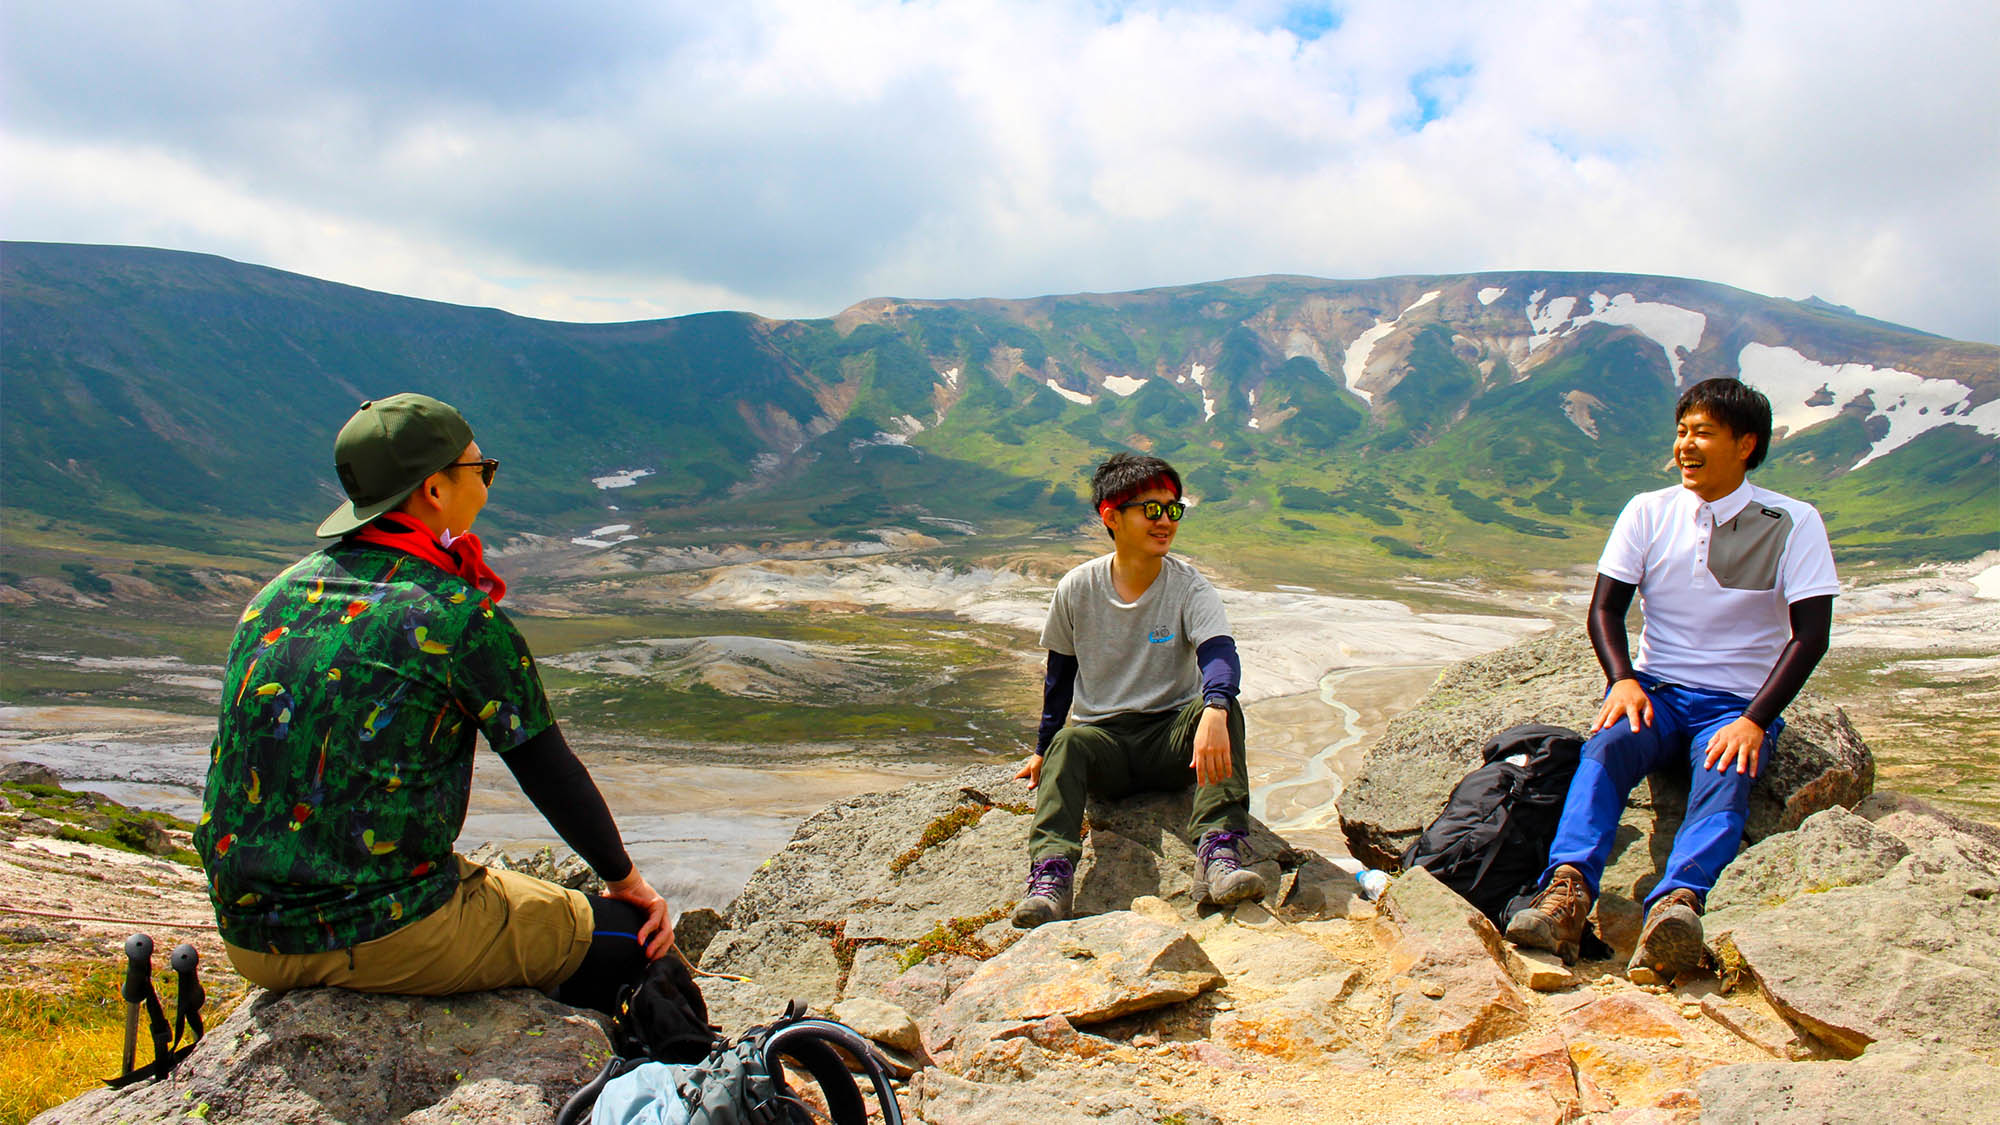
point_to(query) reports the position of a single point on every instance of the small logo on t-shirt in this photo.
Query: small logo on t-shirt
(1160, 635)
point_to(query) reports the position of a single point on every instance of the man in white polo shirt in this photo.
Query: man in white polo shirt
(1736, 583)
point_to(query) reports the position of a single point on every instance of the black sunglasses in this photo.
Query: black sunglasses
(1154, 509)
(486, 466)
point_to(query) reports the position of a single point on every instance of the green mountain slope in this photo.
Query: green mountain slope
(1450, 424)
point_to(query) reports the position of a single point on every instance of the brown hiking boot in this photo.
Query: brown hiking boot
(1554, 919)
(1671, 942)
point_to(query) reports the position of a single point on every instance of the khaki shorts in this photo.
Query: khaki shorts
(501, 930)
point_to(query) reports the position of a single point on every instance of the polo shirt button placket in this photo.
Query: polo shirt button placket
(1704, 523)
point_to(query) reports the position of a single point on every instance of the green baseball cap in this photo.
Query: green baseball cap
(386, 450)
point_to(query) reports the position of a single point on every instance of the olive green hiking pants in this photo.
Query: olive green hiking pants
(1129, 754)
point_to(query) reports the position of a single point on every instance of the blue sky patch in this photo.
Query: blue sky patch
(1310, 21)
(1437, 91)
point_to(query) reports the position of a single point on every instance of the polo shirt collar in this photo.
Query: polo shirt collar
(1728, 507)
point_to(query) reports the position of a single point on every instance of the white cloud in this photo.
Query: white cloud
(791, 157)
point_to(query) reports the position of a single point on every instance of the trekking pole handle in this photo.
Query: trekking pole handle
(138, 968)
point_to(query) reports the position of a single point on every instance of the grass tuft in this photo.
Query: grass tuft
(955, 936)
(937, 832)
(57, 1045)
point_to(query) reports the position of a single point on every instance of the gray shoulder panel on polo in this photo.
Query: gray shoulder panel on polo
(1745, 552)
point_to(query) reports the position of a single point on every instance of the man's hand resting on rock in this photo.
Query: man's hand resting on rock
(1031, 771)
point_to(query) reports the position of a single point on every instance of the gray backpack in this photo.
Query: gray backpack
(741, 1083)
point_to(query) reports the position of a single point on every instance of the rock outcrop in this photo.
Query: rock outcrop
(1881, 924)
(326, 1054)
(870, 885)
(1819, 763)
(1148, 1008)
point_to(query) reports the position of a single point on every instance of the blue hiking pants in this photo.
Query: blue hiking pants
(1616, 758)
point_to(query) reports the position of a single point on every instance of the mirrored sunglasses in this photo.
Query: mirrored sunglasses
(1154, 509)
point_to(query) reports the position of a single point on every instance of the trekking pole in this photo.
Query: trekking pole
(138, 982)
(189, 997)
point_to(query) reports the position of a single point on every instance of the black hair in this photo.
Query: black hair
(1735, 404)
(1126, 475)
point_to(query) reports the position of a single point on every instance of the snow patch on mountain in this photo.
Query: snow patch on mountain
(1124, 386)
(878, 438)
(1677, 330)
(1804, 392)
(1491, 294)
(623, 478)
(950, 377)
(604, 536)
(1077, 397)
(1199, 374)
(1355, 363)
(1207, 407)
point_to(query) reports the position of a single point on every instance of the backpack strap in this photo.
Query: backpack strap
(1499, 843)
(579, 1105)
(811, 1042)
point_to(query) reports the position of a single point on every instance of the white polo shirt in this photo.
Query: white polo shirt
(1716, 581)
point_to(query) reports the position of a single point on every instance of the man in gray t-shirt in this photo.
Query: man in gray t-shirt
(1143, 668)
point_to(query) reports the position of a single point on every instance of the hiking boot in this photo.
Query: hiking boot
(1671, 942)
(1229, 882)
(1554, 919)
(1049, 893)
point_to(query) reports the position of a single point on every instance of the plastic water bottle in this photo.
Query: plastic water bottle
(1373, 883)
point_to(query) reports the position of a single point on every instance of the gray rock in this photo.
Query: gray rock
(1450, 992)
(29, 773)
(1914, 953)
(1066, 1099)
(1775, 1037)
(856, 877)
(1552, 678)
(785, 958)
(881, 1021)
(326, 1054)
(1087, 970)
(1892, 1084)
(1539, 969)
(1833, 848)
(694, 929)
(736, 1006)
(1976, 845)
(923, 986)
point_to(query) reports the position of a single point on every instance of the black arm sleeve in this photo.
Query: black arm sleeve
(562, 791)
(1058, 689)
(1221, 669)
(1812, 625)
(1609, 603)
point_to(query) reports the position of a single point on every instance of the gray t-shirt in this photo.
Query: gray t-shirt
(1136, 656)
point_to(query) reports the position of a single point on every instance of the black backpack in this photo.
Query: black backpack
(1492, 840)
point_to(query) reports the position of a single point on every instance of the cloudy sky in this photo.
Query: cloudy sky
(619, 159)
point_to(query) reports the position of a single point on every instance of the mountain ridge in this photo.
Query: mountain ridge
(1293, 404)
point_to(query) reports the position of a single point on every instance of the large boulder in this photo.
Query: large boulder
(327, 1054)
(1819, 763)
(933, 868)
(1086, 970)
(1450, 992)
(1899, 1084)
(1912, 952)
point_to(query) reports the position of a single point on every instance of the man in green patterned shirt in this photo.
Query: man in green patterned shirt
(343, 757)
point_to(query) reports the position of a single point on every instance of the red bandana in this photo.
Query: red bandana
(465, 557)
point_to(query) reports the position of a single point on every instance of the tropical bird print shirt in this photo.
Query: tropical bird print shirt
(343, 757)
